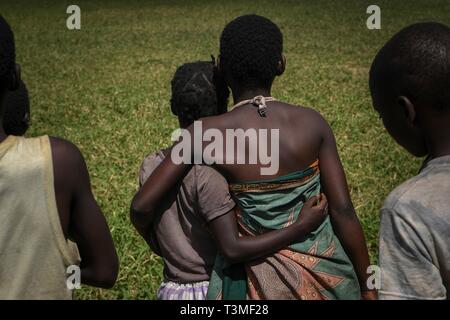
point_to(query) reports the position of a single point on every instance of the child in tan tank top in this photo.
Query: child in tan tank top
(47, 201)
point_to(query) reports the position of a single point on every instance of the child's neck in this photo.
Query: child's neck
(440, 146)
(246, 94)
(438, 138)
(2, 133)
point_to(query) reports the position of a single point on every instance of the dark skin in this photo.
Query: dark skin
(81, 218)
(239, 249)
(224, 228)
(23, 118)
(413, 123)
(225, 231)
(304, 137)
(25, 124)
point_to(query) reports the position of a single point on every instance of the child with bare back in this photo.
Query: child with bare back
(328, 263)
(183, 226)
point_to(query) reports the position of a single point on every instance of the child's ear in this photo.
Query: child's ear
(15, 78)
(26, 119)
(408, 110)
(281, 65)
(218, 65)
(172, 108)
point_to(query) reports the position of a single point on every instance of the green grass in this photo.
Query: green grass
(107, 89)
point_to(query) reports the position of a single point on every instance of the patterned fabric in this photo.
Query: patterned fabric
(314, 269)
(183, 291)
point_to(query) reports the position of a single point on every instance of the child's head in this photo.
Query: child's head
(410, 84)
(16, 111)
(251, 52)
(8, 74)
(197, 92)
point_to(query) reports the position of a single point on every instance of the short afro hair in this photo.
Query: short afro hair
(198, 91)
(16, 109)
(416, 63)
(7, 55)
(250, 48)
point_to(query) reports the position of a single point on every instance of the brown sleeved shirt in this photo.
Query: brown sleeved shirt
(180, 231)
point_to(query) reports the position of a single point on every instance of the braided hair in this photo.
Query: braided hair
(198, 91)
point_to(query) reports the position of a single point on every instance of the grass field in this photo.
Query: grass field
(107, 88)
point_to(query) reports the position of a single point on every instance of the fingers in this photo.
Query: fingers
(323, 204)
(319, 200)
(312, 202)
(318, 203)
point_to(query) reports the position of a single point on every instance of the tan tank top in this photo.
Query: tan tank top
(34, 253)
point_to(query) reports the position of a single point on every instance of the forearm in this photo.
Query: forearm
(91, 277)
(99, 272)
(247, 248)
(238, 249)
(350, 234)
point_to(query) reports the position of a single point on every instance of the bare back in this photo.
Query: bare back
(300, 137)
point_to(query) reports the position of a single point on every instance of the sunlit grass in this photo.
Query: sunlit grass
(107, 88)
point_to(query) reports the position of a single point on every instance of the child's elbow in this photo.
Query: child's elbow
(106, 281)
(137, 207)
(139, 215)
(134, 214)
(107, 277)
(233, 254)
(234, 258)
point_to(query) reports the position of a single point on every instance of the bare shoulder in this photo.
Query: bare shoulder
(320, 121)
(217, 122)
(307, 114)
(66, 154)
(289, 113)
